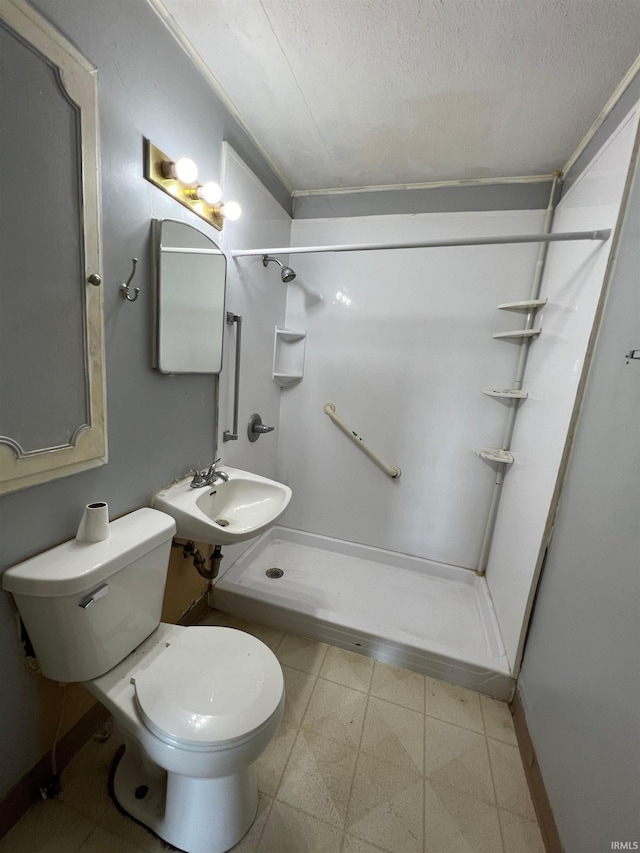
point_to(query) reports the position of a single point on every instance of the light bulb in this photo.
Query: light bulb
(230, 210)
(210, 192)
(184, 170)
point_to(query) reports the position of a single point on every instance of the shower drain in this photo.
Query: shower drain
(274, 573)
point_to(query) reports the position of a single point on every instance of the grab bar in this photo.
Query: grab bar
(232, 435)
(392, 470)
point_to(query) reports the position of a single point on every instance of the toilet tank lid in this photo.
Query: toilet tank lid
(78, 566)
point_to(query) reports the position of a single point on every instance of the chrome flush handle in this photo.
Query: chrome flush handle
(94, 596)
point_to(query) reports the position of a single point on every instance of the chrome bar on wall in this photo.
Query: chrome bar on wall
(232, 435)
(391, 470)
(558, 237)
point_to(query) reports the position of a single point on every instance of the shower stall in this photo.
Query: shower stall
(420, 350)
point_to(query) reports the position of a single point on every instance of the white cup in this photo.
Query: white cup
(94, 525)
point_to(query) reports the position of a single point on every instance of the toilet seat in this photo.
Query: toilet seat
(210, 688)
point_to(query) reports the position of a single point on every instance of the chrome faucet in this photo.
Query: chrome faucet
(212, 474)
(209, 477)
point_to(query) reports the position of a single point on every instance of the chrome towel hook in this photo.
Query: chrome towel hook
(125, 290)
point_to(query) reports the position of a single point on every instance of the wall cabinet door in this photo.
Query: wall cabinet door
(52, 387)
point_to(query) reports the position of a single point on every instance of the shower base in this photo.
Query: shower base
(430, 617)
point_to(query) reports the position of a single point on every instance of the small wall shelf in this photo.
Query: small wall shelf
(285, 379)
(509, 393)
(288, 356)
(290, 335)
(492, 454)
(518, 333)
(527, 305)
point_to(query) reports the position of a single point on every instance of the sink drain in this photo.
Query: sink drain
(222, 522)
(274, 573)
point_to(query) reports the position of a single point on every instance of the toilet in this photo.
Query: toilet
(197, 706)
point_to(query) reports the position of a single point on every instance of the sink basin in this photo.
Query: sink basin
(223, 513)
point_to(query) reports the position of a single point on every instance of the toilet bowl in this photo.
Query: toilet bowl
(197, 706)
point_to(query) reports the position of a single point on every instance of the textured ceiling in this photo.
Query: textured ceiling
(342, 93)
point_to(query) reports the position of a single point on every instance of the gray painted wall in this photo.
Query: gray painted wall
(524, 196)
(580, 680)
(158, 425)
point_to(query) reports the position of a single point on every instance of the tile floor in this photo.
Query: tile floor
(369, 758)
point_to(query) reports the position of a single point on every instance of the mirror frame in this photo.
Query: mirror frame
(161, 359)
(87, 447)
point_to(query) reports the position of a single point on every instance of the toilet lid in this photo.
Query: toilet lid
(209, 686)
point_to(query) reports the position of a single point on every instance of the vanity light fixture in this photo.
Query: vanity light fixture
(178, 179)
(209, 192)
(183, 170)
(230, 210)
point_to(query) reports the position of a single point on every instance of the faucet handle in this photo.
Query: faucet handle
(212, 467)
(198, 479)
(256, 428)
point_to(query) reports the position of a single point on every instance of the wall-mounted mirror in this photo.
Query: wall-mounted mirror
(52, 400)
(189, 304)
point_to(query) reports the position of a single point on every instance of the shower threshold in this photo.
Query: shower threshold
(407, 611)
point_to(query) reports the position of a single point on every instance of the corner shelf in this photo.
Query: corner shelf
(527, 305)
(288, 356)
(285, 379)
(493, 454)
(290, 335)
(518, 333)
(508, 393)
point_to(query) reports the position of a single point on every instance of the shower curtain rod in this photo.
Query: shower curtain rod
(432, 244)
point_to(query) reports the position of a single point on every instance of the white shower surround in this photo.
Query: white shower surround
(398, 360)
(405, 364)
(572, 284)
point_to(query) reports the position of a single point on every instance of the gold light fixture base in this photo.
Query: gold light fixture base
(154, 172)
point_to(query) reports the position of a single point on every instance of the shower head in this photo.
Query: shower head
(286, 273)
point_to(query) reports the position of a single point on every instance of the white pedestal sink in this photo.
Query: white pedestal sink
(225, 512)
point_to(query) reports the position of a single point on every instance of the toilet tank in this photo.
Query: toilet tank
(86, 606)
